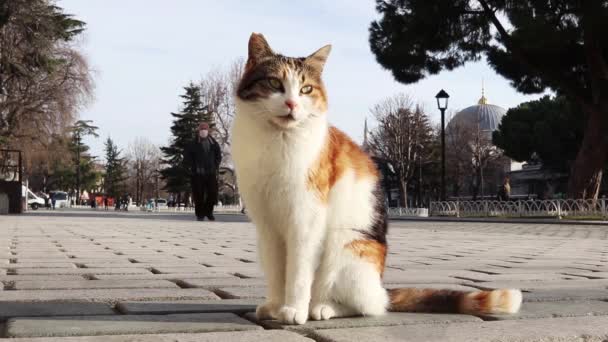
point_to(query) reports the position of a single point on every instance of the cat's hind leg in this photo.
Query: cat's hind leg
(330, 309)
(359, 288)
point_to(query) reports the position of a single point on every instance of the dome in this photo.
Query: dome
(488, 116)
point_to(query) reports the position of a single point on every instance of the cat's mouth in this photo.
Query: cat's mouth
(284, 121)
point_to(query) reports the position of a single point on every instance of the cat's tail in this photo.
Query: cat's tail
(448, 301)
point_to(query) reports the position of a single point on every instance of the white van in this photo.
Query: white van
(61, 199)
(161, 203)
(33, 201)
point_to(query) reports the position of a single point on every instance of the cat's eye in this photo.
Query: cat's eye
(275, 84)
(306, 89)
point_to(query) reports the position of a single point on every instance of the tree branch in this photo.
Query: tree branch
(519, 54)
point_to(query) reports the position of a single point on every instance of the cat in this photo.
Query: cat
(317, 203)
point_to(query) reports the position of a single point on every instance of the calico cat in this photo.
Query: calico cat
(316, 200)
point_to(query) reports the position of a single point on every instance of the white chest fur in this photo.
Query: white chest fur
(272, 167)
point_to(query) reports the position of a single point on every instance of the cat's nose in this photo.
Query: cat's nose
(290, 104)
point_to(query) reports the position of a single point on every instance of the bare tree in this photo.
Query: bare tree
(217, 90)
(470, 154)
(458, 156)
(144, 161)
(403, 137)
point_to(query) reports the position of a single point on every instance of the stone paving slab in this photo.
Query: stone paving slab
(481, 277)
(125, 324)
(546, 285)
(93, 284)
(530, 310)
(40, 277)
(236, 336)
(517, 271)
(407, 278)
(50, 259)
(104, 295)
(139, 265)
(569, 294)
(454, 287)
(216, 283)
(170, 276)
(15, 309)
(590, 275)
(189, 306)
(581, 329)
(68, 264)
(241, 292)
(181, 269)
(82, 271)
(390, 319)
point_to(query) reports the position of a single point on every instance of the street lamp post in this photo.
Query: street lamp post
(442, 104)
(420, 147)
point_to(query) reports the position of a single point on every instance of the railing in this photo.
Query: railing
(217, 208)
(523, 208)
(408, 212)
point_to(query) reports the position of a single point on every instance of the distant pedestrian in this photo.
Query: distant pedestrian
(53, 200)
(506, 189)
(204, 157)
(105, 202)
(47, 205)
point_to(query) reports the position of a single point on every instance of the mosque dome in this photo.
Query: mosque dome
(488, 116)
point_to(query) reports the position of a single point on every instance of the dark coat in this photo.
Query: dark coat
(201, 162)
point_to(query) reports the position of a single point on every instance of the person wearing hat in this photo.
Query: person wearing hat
(204, 156)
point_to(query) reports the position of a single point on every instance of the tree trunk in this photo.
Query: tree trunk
(586, 173)
(403, 192)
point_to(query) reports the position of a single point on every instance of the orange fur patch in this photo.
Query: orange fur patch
(371, 251)
(478, 301)
(425, 300)
(448, 301)
(339, 155)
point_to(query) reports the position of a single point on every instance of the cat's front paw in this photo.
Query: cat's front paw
(322, 312)
(291, 315)
(268, 310)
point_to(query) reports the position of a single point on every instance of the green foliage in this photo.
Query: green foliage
(550, 127)
(544, 49)
(183, 130)
(62, 175)
(42, 76)
(116, 170)
(84, 176)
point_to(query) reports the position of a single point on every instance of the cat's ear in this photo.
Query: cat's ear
(258, 49)
(319, 57)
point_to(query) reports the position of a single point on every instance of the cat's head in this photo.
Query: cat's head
(285, 91)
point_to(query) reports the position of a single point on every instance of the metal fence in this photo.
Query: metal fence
(522, 208)
(217, 209)
(408, 212)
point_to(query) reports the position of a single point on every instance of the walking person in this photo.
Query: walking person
(53, 200)
(204, 157)
(506, 188)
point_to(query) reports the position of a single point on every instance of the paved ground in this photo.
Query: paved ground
(154, 277)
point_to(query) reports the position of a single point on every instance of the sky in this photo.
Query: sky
(144, 52)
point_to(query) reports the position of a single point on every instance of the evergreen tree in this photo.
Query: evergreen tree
(183, 130)
(549, 128)
(84, 174)
(116, 170)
